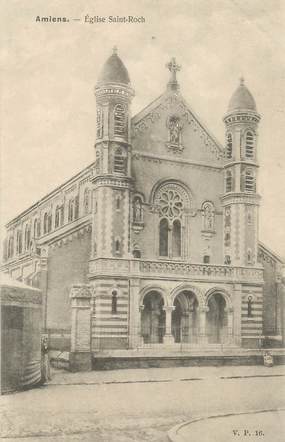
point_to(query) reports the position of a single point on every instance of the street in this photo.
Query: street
(135, 405)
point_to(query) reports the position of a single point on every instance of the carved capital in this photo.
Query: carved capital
(203, 309)
(169, 308)
(81, 291)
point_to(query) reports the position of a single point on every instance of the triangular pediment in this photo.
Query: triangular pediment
(172, 103)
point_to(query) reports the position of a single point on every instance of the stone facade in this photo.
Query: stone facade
(162, 228)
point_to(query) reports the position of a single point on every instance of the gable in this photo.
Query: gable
(152, 129)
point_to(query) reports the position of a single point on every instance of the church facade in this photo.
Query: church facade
(156, 243)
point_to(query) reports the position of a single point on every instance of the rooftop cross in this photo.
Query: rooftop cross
(173, 68)
(115, 50)
(241, 80)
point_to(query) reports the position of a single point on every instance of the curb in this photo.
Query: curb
(173, 435)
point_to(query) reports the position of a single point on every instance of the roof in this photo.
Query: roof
(274, 255)
(7, 281)
(114, 71)
(242, 99)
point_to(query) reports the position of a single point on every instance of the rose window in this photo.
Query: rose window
(171, 204)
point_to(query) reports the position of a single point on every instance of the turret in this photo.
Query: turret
(112, 180)
(240, 199)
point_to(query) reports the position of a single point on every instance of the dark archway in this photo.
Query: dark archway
(153, 318)
(216, 319)
(184, 324)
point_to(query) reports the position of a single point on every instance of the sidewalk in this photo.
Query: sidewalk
(62, 377)
(265, 425)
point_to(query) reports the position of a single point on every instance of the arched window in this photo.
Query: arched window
(171, 199)
(45, 222)
(119, 120)
(19, 241)
(99, 122)
(227, 239)
(249, 144)
(62, 214)
(163, 237)
(97, 161)
(117, 245)
(94, 306)
(71, 210)
(137, 253)
(57, 217)
(118, 202)
(36, 228)
(10, 247)
(27, 237)
(176, 239)
(229, 148)
(114, 302)
(229, 181)
(119, 162)
(50, 222)
(206, 259)
(249, 215)
(76, 207)
(86, 201)
(249, 185)
(249, 306)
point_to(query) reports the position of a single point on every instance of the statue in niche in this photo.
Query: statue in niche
(174, 130)
(209, 217)
(137, 211)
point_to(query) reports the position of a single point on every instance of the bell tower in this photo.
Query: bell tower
(112, 177)
(240, 199)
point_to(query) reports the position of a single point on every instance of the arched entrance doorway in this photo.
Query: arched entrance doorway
(217, 319)
(153, 318)
(184, 324)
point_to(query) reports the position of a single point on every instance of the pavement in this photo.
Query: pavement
(265, 425)
(62, 377)
(137, 405)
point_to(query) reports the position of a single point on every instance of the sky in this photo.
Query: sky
(49, 71)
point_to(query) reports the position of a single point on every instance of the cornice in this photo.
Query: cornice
(19, 260)
(65, 230)
(112, 181)
(49, 196)
(238, 198)
(136, 155)
(242, 162)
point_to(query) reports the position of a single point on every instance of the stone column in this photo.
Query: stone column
(203, 339)
(168, 338)
(237, 301)
(134, 321)
(80, 358)
(230, 317)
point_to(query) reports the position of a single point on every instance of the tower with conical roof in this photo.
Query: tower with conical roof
(112, 180)
(240, 199)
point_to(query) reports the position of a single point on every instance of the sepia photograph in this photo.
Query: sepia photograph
(142, 271)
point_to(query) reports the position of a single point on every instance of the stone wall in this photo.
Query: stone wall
(67, 265)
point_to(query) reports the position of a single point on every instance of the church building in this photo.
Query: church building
(155, 244)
